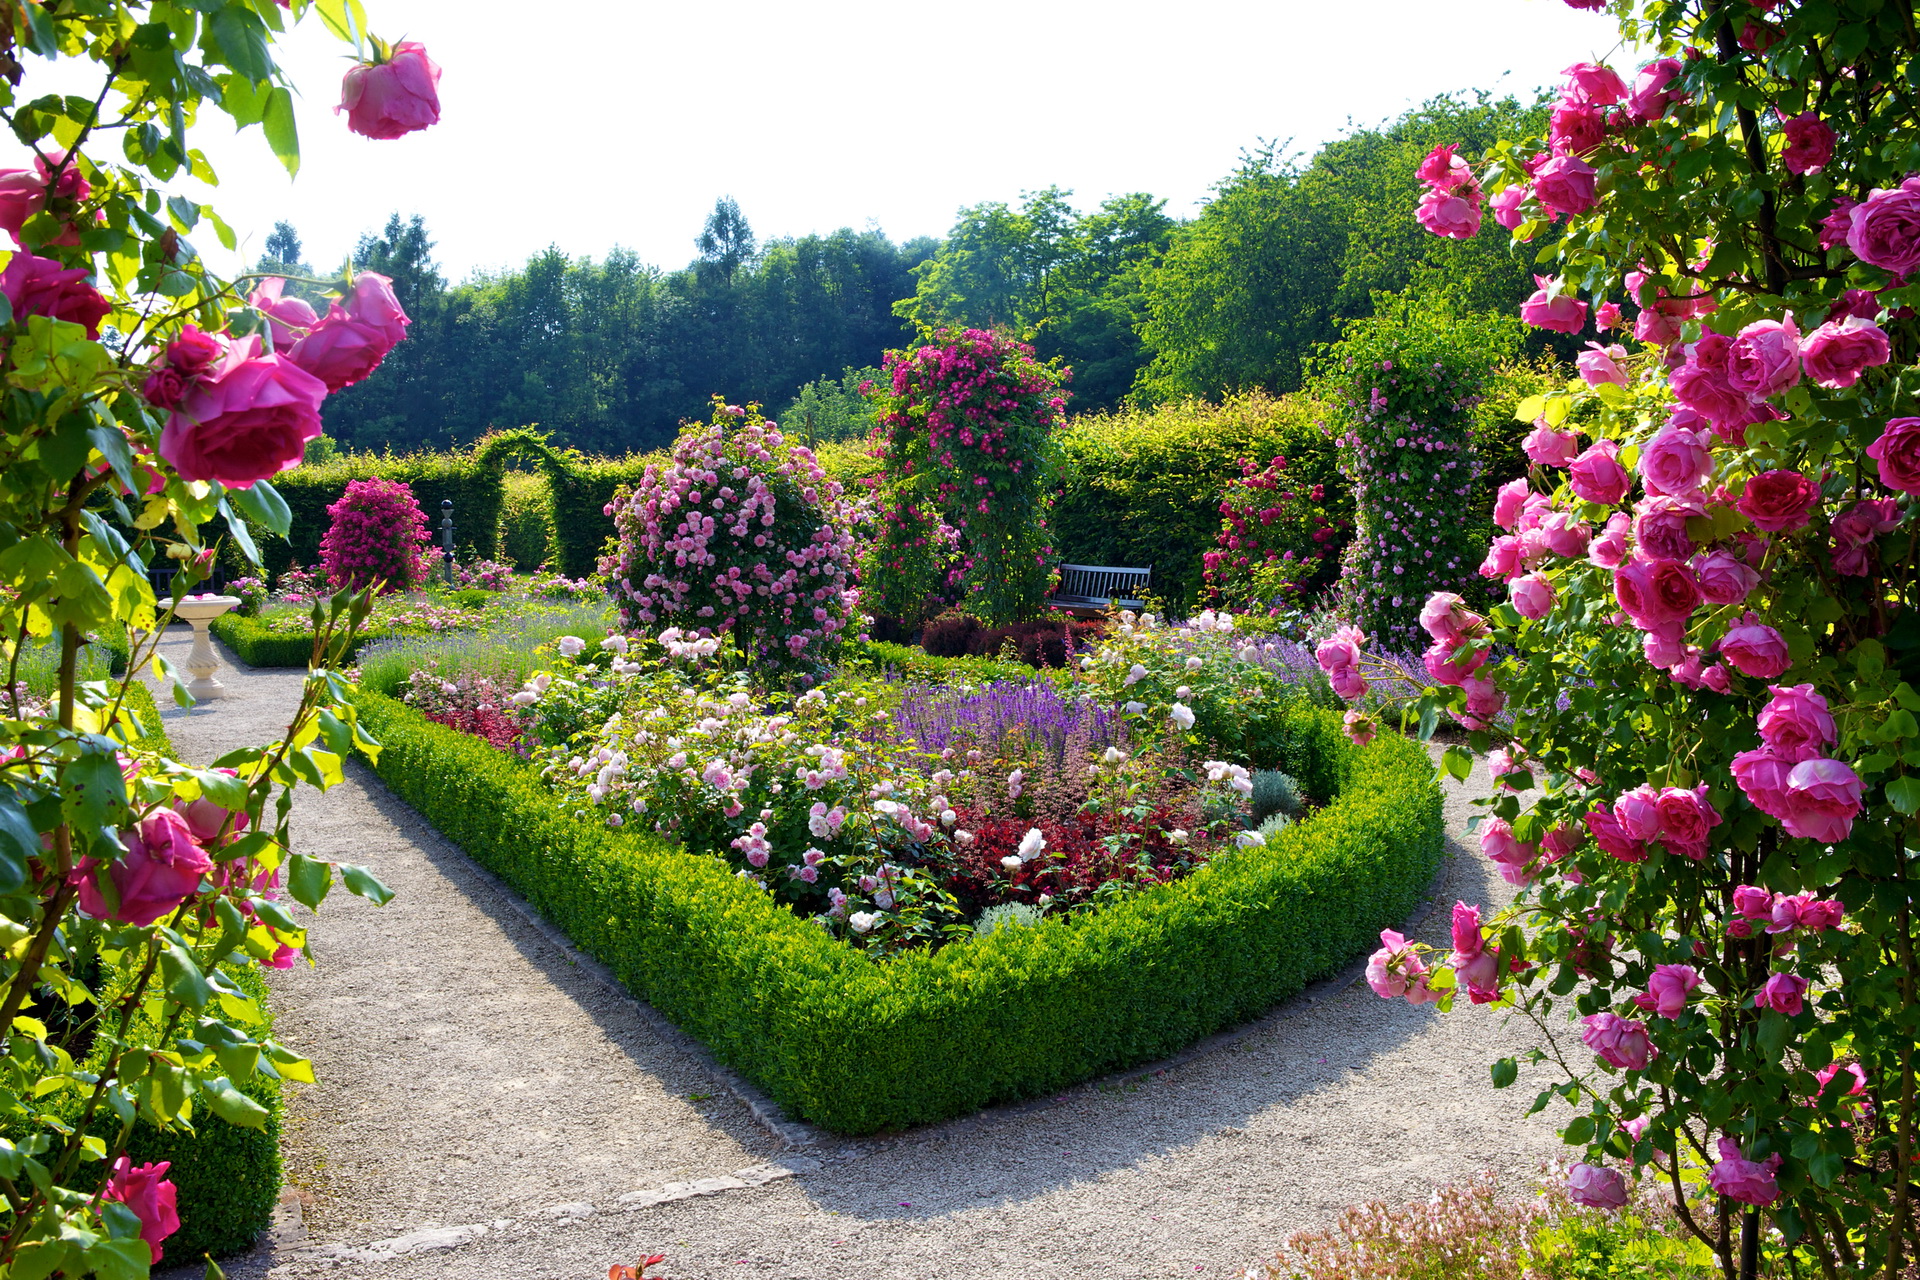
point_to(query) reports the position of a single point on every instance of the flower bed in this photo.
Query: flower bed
(856, 1043)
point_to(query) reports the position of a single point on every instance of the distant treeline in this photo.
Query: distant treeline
(610, 356)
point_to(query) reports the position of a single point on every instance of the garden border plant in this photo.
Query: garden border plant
(857, 1045)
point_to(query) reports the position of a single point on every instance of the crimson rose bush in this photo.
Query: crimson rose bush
(377, 537)
(1699, 698)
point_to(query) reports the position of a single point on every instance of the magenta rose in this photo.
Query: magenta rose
(1855, 529)
(1668, 989)
(339, 350)
(1762, 778)
(1454, 214)
(1665, 647)
(1617, 1041)
(1723, 577)
(164, 388)
(1574, 129)
(1596, 1188)
(1656, 327)
(288, 319)
(1562, 314)
(1590, 82)
(1748, 1181)
(1753, 902)
(160, 870)
(1508, 501)
(1441, 168)
(195, 353)
(1660, 525)
(1609, 549)
(371, 302)
(1783, 993)
(1532, 596)
(1598, 364)
(392, 98)
(1549, 448)
(1655, 591)
(1597, 476)
(1756, 649)
(1701, 382)
(1676, 461)
(1506, 204)
(1565, 185)
(1347, 682)
(145, 1190)
(1564, 535)
(1778, 501)
(1652, 90)
(1686, 820)
(1835, 227)
(1884, 231)
(1764, 359)
(23, 193)
(1837, 352)
(249, 419)
(44, 287)
(1508, 854)
(1445, 668)
(1506, 559)
(1612, 838)
(1823, 798)
(1795, 724)
(1638, 813)
(1809, 143)
(1898, 453)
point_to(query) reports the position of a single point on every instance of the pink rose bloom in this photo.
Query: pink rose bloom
(1655, 591)
(288, 319)
(1685, 821)
(1809, 143)
(1508, 501)
(248, 420)
(1665, 646)
(1562, 314)
(1506, 853)
(1855, 529)
(23, 193)
(1638, 813)
(1360, 727)
(206, 820)
(154, 1200)
(1660, 525)
(1607, 316)
(1756, 650)
(1610, 548)
(1898, 453)
(1748, 1181)
(1676, 461)
(1778, 501)
(371, 302)
(1612, 838)
(1795, 723)
(46, 287)
(1823, 797)
(1884, 232)
(1591, 82)
(1339, 650)
(1394, 970)
(1564, 535)
(1723, 577)
(1701, 382)
(1835, 227)
(164, 388)
(195, 353)
(1656, 327)
(1454, 214)
(1790, 911)
(1651, 94)
(1822, 914)
(1506, 204)
(1668, 989)
(160, 870)
(1484, 698)
(1445, 617)
(1764, 359)
(1445, 668)
(389, 99)
(1596, 1188)
(1762, 778)
(1576, 128)
(1597, 365)
(1347, 683)
(340, 351)
(1753, 902)
(1560, 843)
(1467, 941)
(1617, 1041)
(1442, 168)
(1506, 559)
(1475, 965)
(1597, 476)
(1837, 352)
(1783, 993)
(1565, 185)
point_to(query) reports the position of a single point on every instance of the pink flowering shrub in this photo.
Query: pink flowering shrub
(965, 421)
(740, 534)
(1707, 655)
(484, 575)
(1280, 539)
(378, 536)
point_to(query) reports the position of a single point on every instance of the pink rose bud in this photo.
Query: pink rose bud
(391, 98)
(154, 1200)
(1753, 902)
(1668, 989)
(1596, 1188)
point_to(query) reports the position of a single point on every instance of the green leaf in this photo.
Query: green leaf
(1775, 1031)
(1825, 1167)
(1457, 762)
(308, 880)
(184, 978)
(1903, 793)
(361, 881)
(281, 134)
(18, 842)
(213, 1271)
(1505, 1072)
(112, 444)
(1579, 1131)
(242, 537)
(232, 1105)
(241, 39)
(263, 504)
(92, 787)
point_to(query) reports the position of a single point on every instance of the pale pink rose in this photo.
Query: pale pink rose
(1686, 819)
(1347, 682)
(388, 99)
(1823, 798)
(1764, 359)
(1723, 577)
(1445, 616)
(1508, 501)
(1668, 989)
(1756, 649)
(1809, 143)
(1665, 646)
(1884, 232)
(1701, 382)
(1607, 316)
(250, 418)
(1591, 82)
(1653, 90)
(1596, 1188)
(1565, 185)
(1562, 314)
(1506, 559)
(1609, 549)
(1638, 813)
(153, 1199)
(1506, 853)
(1597, 476)
(160, 869)
(288, 319)
(1451, 664)
(1778, 501)
(1395, 971)
(1748, 1181)
(1898, 453)
(1617, 1041)
(1611, 837)
(1783, 993)
(1676, 461)
(1795, 724)
(1656, 327)
(1484, 698)
(1360, 727)
(1599, 364)
(1838, 351)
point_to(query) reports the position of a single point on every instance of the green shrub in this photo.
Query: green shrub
(858, 1045)
(913, 663)
(258, 645)
(526, 519)
(1143, 487)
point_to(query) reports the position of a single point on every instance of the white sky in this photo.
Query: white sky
(606, 122)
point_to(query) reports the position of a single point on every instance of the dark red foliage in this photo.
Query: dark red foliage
(498, 729)
(1043, 642)
(977, 879)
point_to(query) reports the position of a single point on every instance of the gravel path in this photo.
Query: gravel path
(487, 1107)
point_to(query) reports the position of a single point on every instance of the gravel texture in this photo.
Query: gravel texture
(488, 1107)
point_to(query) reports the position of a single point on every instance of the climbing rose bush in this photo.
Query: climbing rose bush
(377, 537)
(740, 534)
(1699, 697)
(1280, 539)
(965, 423)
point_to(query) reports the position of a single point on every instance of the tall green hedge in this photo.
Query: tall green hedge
(856, 1044)
(1143, 487)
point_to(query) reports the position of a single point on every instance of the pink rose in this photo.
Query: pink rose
(1596, 1188)
(1837, 352)
(1612, 838)
(23, 193)
(1676, 461)
(1562, 314)
(1610, 548)
(1884, 232)
(1341, 649)
(1748, 1181)
(1575, 129)
(1454, 214)
(1857, 1079)
(1508, 854)
(1508, 501)
(206, 820)
(1701, 382)
(1756, 649)
(392, 98)
(1723, 577)
(1838, 222)
(164, 387)
(1764, 359)
(1822, 914)
(1783, 993)
(1475, 965)
(1762, 778)
(1564, 535)
(195, 353)
(1795, 724)
(1445, 668)
(1506, 559)
(1617, 1041)
(1506, 204)
(1484, 698)
(1665, 646)
(1898, 453)
(1753, 902)
(1598, 364)
(1607, 316)
(1823, 797)
(160, 870)
(250, 419)
(1660, 525)
(1778, 501)
(1565, 185)
(1809, 143)
(1442, 168)
(1685, 821)
(1394, 970)
(1655, 591)
(1445, 616)
(1668, 989)
(1652, 93)
(1347, 682)
(1597, 476)
(1863, 303)
(44, 287)
(339, 350)
(288, 319)
(1638, 813)
(145, 1190)
(1855, 529)
(1591, 82)
(1360, 727)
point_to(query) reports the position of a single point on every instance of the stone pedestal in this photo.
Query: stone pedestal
(202, 662)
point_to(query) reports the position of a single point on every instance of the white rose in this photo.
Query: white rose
(1182, 715)
(863, 921)
(1032, 845)
(1176, 836)
(1010, 862)
(570, 646)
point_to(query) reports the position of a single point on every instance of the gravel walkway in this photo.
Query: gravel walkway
(487, 1107)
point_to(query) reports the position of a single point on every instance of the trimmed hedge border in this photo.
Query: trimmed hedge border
(856, 1045)
(258, 645)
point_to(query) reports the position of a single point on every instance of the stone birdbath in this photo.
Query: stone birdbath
(202, 662)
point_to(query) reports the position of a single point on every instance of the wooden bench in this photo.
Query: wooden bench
(1095, 588)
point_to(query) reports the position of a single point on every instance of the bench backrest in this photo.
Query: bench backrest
(1103, 582)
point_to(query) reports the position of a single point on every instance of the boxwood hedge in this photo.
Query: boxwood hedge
(857, 1045)
(258, 645)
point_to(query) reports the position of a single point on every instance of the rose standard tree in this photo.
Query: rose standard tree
(147, 404)
(1699, 698)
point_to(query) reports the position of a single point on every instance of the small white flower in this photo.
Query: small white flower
(1183, 692)
(1134, 708)
(1114, 755)
(1176, 836)
(1136, 673)
(963, 838)
(1010, 862)
(1248, 839)
(1249, 654)
(1194, 664)
(614, 644)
